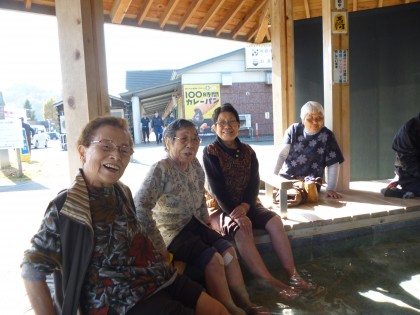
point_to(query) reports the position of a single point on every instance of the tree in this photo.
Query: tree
(50, 113)
(30, 114)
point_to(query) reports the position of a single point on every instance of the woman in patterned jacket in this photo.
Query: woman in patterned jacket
(92, 239)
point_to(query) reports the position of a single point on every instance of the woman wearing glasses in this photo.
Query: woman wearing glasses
(172, 206)
(233, 186)
(308, 147)
(93, 242)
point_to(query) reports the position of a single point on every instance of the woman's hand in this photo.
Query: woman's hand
(240, 211)
(245, 224)
(333, 194)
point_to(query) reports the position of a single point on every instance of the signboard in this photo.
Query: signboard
(200, 100)
(340, 66)
(339, 22)
(258, 57)
(11, 134)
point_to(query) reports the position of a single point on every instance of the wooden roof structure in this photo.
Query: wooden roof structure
(242, 20)
(83, 65)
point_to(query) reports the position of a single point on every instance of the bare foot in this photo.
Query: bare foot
(297, 281)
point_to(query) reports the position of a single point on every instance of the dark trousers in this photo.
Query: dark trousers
(145, 134)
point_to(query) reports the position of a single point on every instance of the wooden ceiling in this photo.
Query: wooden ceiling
(242, 20)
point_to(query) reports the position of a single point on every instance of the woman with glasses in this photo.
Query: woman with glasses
(308, 148)
(172, 206)
(91, 239)
(233, 185)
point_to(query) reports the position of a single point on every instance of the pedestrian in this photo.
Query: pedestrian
(157, 125)
(145, 121)
(29, 133)
(94, 243)
(169, 119)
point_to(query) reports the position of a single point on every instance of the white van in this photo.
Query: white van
(40, 137)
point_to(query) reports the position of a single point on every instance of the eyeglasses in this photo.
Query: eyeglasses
(224, 123)
(109, 146)
(185, 140)
(312, 120)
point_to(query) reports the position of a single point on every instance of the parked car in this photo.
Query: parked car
(54, 135)
(40, 137)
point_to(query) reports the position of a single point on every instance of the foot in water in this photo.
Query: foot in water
(297, 281)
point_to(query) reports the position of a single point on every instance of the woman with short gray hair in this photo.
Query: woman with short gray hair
(308, 148)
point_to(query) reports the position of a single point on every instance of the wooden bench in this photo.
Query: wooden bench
(272, 181)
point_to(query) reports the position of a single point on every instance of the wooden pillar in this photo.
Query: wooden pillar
(283, 69)
(336, 79)
(83, 67)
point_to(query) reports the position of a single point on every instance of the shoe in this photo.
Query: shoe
(297, 281)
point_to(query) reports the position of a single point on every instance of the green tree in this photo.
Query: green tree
(30, 114)
(50, 113)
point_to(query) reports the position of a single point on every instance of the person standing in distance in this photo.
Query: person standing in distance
(145, 127)
(157, 125)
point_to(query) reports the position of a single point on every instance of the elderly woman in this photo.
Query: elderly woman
(171, 204)
(308, 148)
(233, 185)
(92, 239)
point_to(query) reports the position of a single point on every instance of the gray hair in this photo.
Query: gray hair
(173, 127)
(311, 107)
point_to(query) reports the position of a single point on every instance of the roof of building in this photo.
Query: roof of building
(139, 80)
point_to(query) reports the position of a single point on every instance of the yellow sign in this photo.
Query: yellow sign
(339, 22)
(200, 100)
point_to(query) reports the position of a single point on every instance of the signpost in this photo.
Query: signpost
(11, 132)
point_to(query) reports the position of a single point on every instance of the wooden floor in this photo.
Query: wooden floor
(361, 206)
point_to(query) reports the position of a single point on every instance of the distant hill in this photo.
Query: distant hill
(17, 95)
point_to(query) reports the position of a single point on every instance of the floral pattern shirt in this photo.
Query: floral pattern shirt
(168, 198)
(309, 154)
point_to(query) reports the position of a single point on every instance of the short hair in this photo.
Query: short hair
(311, 107)
(173, 127)
(89, 130)
(225, 108)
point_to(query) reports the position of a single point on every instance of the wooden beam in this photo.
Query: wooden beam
(248, 17)
(170, 7)
(307, 9)
(261, 31)
(214, 8)
(118, 10)
(229, 16)
(143, 12)
(28, 4)
(83, 67)
(263, 21)
(283, 69)
(380, 3)
(336, 94)
(195, 4)
(354, 5)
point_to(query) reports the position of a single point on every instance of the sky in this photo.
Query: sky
(29, 51)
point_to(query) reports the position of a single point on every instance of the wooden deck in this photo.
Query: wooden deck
(362, 206)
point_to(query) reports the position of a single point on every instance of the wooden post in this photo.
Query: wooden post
(283, 69)
(336, 79)
(83, 67)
